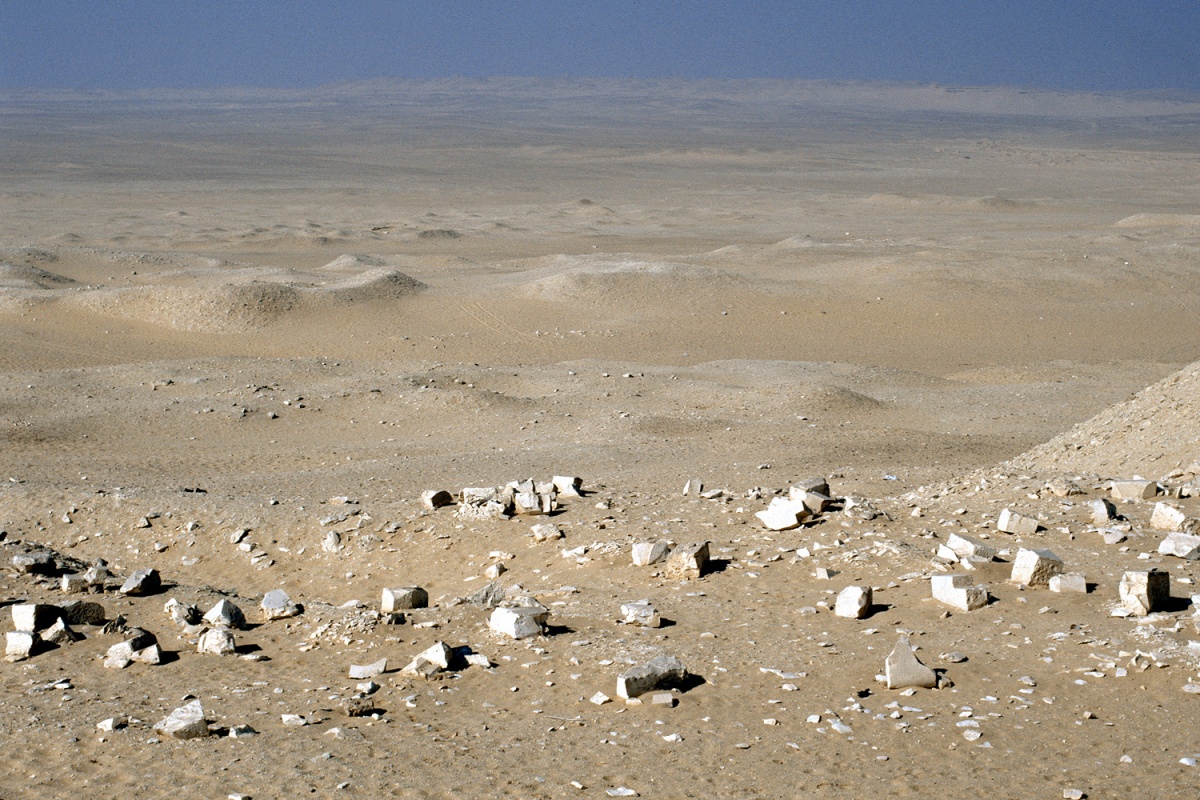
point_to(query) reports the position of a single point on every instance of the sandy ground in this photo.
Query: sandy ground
(227, 312)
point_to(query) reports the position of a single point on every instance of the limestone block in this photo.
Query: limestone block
(181, 614)
(60, 633)
(1069, 582)
(1144, 591)
(75, 584)
(277, 605)
(1035, 567)
(217, 642)
(568, 485)
(404, 598)
(1103, 512)
(18, 645)
(815, 502)
(853, 602)
(545, 532)
(659, 673)
(185, 722)
(688, 561)
(818, 485)
(1180, 545)
(34, 563)
(693, 487)
(1134, 490)
(903, 669)
(641, 613)
(1012, 522)
(436, 498)
(519, 622)
(361, 672)
(432, 660)
(119, 656)
(783, 514)
(647, 553)
(527, 503)
(1167, 517)
(148, 655)
(958, 591)
(225, 614)
(142, 582)
(34, 616)
(967, 546)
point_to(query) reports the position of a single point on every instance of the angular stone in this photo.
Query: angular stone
(783, 514)
(568, 485)
(903, 669)
(361, 672)
(647, 553)
(1035, 567)
(967, 546)
(277, 605)
(432, 660)
(181, 614)
(142, 582)
(119, 656)
(1180, 545)
(1142, 592)
(35, 563)
(519, 622)
(358, 706)
(34, 616)
(1103, 511)
(1134, 490)
(404, 598)
(814, 484)
(225, 614)
(1167, 517)
(545, 532)
(853, 602)
(688, 561)
(1069, 582)
(813, 502)
(217, 642)
(693, 487)
(659, 673)
(185, 722)
(148, 655)
(489, 596)
(485, 503)
(97, 575)
(18, 645)
(958, 591)
(641, 613)
(1012, 522)
(75, 584)
(528, 503)
(60, 633)
(436, 498)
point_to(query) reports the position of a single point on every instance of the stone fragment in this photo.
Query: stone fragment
(34, 563)
(277, 605)
(1112, 536)
(688, 561)
(404, 598)
(659, 673)
(431, 661)
(436, 498)
(693, 487)
(137, 638)
(185, 722)
(1069, 582)
(362, 672)
(662, 699)
(1035, 567)
(1142, 592)
(641, 613)
(18, 645)
(217, 642)
(529, 503)
(853, 602)
(485, 503)
(647, 553)
(75, 584)
(1012, 522)
(545, 532)
(600, 698)
(119, 656)
(814, 484)
(97, 575)
(489, 596)
(568, 486)
(966, 546)
(1103, 511)
(148, 655)
(332, 542)
(520, 622)
(1167, 517)
(814, 502)
(958, 591)
(225, 614)
(903, 669)
(358, 706)
(1134, 490)
(1180, 545)
(181, 614)
(241, 732)
(142, 582)
(783, 514)
(34, 616)
(60, 633)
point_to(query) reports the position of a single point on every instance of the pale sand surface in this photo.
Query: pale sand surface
(369, 291)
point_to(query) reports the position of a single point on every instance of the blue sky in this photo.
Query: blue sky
(1056, 44)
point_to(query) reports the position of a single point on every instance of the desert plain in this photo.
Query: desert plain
(242, 331)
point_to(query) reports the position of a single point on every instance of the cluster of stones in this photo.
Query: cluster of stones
(805, 501)
(524, 497)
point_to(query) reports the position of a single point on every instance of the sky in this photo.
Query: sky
(1076, 45)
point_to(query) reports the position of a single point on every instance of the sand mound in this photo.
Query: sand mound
(1155, 431)
(26, 276)
(1160, 221)
(352, 262)
(609, 282)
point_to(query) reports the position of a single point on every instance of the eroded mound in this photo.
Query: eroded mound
(605, 281)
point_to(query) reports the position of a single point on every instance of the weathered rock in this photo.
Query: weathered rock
(1069, 582)
(641, 613)
(1142, 592)
(277, 605)
(60, 633)
(1134, 490)
(659, 673)
(958, 591)
(647, 553)
(903, 669)
(1012, 522)
(119, 656)
(358, 706)
(1180, 545)
(520, 622)
(545, 532)
(404, 598)
(431, 661)
(75, 584)
(149, 655)
(185, 722)
(814, 502)
(853, 602)
(1103, 512)
(966, 547)
(142, 582)
(97, 575)
(1167, 517)
(529, 503)
(494, 571)
(688, 561)
(225, 614)
(436, 498)
(693, 487)
(332, 542)
(783, 514)
(362, 672)
(814, 484)
(568, 486)
(484, 504)
(489, 596)
(34, 616)
(35, 563)
(181, 614)
(1035, 567)
(18, 645)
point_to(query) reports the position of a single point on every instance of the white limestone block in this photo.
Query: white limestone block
(1012, 522)
(1142, 592)
(1069, 582)
(647, 553)
(1035, 567)
(853, 602)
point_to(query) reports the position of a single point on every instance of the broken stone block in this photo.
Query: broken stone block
(485, 503)
(903, 669)
(35, 563)
(1012, 522)
(60, 634)
(181, 614)
(1103, 512)
(277, 605)
(1167, 517)
(358, 706)
(527, 503)
(362, 672)
(568, 485)
(520, 622)
(814, 502)
(783, 514)
(185, 722)
(431, 661)
(641, 613)
(1112, 537)
(332, 542)
(1069, 582)
(545, 532)
(404, 598)
(217, 642)
(853, 602)
(688, 561)
(489, 596)
(659, 673)
(967, 546)
(142, 582)
(1180, 545)
(119, 656)
(1035, 567)
(600, 698)
(1134, 490)
(148, 655)
(814, 484)
(693, 487)
(34, 616)
(1144, 591)
(436, 498)
(225, 614)
(75, 584)
(647, 553)
(958, 591)
(18, 645)
(97, 575)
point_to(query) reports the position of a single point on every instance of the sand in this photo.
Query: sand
(226, 310)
